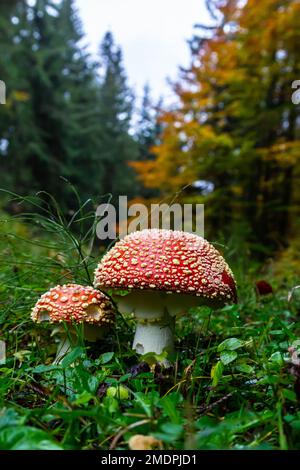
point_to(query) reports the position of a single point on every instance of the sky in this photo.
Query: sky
(151, 33)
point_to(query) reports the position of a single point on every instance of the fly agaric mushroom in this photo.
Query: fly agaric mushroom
(74, 304)
(166, 272)
(263, 287)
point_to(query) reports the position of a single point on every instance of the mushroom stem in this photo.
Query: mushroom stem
(67, 339)
(154, 337)
(64, 347)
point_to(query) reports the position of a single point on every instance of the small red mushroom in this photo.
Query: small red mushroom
(75, 304)
(166, 272)
(263, 287)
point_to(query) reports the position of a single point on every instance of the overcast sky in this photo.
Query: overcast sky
(152, 34)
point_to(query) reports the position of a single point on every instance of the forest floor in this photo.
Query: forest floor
(235, 383)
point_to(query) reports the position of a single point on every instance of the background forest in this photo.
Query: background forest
(72, 136)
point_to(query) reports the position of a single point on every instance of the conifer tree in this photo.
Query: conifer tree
(116, 144)
(147, 132)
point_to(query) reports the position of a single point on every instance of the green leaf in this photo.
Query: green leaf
(170, 407)
(93, 383)
(173, 429)
(244, 368)
(83, 398)
(289, 394)
(152, 358)
(169, 432)
(124, 378)
(231, 309)
(26, 438)
(228, 356)
(42, 368)
(111, 404)
(295, 424)
(216, 373)
(276, 357)
(296, 344)
(203, 310)
(143, 402)
(106, 357)
(9, 417)
(71, 357)
(147, 401)
(231, 344)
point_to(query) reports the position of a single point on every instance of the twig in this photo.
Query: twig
(127, 428)
(205, 408)
(291, 293)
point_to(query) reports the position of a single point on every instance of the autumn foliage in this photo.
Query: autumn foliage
(232, 142)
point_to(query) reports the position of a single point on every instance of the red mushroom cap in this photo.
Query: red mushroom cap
(170, 261)
(263, 287)
(74, 303)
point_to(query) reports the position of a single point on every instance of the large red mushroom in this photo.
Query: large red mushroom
(166, 272)
(74, 304)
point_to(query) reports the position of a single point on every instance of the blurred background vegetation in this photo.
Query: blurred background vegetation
(230, 141)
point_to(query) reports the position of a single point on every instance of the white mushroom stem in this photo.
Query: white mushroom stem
(69, 339)
(154, 337)
(155, 313)
(64, 347)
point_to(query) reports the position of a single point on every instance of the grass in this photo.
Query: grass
(233, 385)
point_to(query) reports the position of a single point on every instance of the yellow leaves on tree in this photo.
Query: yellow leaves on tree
(234, 124)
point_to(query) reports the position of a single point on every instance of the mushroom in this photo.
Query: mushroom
(263, 287)
(75, 304)
(166, 272)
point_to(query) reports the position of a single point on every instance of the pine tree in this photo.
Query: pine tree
(16, 121)
(116, 144)
(52, 104)
(63, 84)
(148, 127)
(147, 132)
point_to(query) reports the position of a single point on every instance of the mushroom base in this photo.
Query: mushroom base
(154, 337)
(69, 339)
